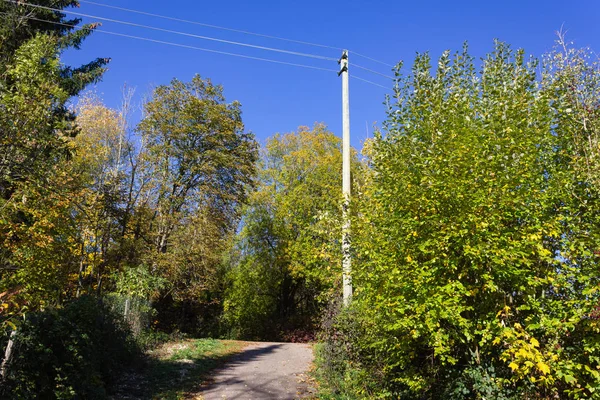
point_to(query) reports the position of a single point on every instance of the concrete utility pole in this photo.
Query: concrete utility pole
(346, 183)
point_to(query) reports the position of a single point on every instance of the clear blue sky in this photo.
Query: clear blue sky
(279, 98)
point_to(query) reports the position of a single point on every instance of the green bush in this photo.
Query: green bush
(343, 366)
(476, 265)
(353, 362)
(71, 353)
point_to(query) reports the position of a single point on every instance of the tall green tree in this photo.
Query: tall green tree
(35, 216)
(476, 266)
(26, 149)
(35, 131)
(290, 240)
(572, 76)
(201, 165)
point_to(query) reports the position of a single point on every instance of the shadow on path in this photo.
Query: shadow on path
(242, 358)
(262, 371)
(174, 379)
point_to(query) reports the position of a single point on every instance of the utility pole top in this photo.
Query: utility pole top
(343, 62)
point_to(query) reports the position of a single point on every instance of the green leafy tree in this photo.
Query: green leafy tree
(476, 269)
(573, 78)
(35, 132)
(290, 240)
(27, 148)
(200, 165)
(35, 218)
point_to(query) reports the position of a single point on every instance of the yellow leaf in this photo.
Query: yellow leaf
(523, 353)
(534, 342)
(514, 366)
(544, 368)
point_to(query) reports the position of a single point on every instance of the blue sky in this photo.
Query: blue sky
(279, 98)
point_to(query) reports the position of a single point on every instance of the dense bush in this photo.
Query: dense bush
(352, 363)
(340, 359)
(75, 352)
(476, 265)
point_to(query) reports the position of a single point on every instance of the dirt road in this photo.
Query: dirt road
(263, 371)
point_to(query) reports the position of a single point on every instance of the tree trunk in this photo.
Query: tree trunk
(7, 355)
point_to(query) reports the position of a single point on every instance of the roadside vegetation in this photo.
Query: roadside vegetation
(176, 369)
(476, 265)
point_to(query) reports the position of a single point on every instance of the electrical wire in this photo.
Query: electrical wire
(186, 21)
(203, 49)
(372, 83)
(371, 71)
(208, 25)
(372, 59)
(186, 46)
(176, 32)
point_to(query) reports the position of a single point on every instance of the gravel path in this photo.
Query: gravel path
(263, 371)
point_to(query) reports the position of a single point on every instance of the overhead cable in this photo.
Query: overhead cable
(176, 32)
(372, 83)
(371, 71)
(206, 50)
(187, 46)
(372, 59)
(208, 25)
(186, 21)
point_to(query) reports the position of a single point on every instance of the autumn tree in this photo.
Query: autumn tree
(101, 155)
(35, 131)
(201, 164)
(289, 244)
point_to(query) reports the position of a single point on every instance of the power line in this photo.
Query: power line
(372, 59)
(208, 25)
(186, 21)
(178, 32)
(372, 71)
(203, 49)
(372, 83)
(187, 46)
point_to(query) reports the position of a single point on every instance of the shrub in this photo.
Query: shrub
(342, 364)
(69, 353)
(476, 265)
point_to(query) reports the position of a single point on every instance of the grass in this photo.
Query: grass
(177, 369)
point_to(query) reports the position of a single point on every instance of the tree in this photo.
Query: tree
(29, 144)
(201, 165)
(100, 152)
(290, 239)
(573, 80)
(35, 132)
(35, 211)
(476, 269)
